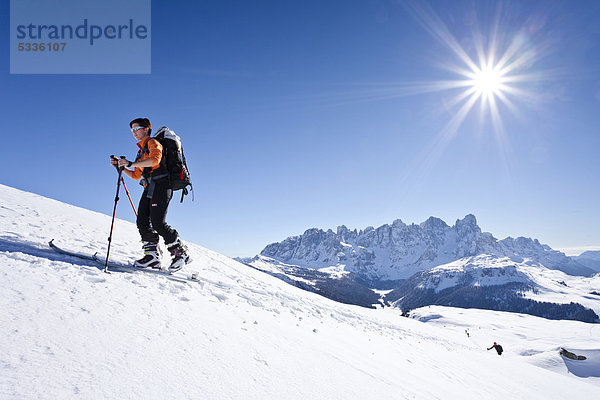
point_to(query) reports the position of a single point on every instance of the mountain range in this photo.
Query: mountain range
(590, 259)
(434, 263)
(502, 284)
(397, 251)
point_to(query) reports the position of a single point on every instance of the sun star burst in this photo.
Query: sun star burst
(487, 81)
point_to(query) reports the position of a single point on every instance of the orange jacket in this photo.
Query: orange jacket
(155, 153)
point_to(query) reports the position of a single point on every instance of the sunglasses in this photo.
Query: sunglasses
(137, 128)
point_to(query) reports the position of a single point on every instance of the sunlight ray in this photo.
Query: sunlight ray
(509, 104)
(435, 26)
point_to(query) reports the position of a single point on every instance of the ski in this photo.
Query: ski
(69, 253)
(118, 267)
(130, 268)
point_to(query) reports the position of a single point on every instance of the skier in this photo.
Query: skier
(150, 166)
(497, 347)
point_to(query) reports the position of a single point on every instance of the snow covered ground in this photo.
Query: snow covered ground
(70, 331)
(523, 337)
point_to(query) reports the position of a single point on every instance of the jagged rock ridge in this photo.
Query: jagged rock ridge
(398, 251)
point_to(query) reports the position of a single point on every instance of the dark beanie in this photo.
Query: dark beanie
(145, 122)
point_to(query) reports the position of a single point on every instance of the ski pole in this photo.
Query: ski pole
(127, 191)
(112, 224)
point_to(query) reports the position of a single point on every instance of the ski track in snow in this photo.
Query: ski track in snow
(71, 331)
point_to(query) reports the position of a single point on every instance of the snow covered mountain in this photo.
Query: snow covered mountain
(504, 284)
(484, 281)
(398, 251)
(590, 259)
(590, 255)
(333, 283)
(460, 266)
(71, 331)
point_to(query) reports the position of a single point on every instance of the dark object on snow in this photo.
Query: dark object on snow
(497, 347)
(566, 353)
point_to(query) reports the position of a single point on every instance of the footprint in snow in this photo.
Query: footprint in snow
(94, 279)
(220, 297)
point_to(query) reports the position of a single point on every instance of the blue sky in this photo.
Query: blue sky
(315, 114)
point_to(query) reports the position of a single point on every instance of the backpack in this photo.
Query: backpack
(499, 349)
(173, 160)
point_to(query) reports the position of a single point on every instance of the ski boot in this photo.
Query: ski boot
(151, 257)
(180, 255)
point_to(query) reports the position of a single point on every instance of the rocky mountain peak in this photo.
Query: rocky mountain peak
(397, 251)
(398, 224)
(433, 223)
(467, 224)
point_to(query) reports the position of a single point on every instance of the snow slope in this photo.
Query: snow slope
(537, 340)
(71, 331)
(507, 282)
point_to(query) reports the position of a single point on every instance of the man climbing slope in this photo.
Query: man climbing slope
(150, 167)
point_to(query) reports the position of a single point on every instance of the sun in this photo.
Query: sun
(487, 81)
(491, 66)
(493, 69)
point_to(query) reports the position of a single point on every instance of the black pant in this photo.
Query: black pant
(155, 210)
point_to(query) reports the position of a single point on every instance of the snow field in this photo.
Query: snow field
(523, 337)
(71, 331)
